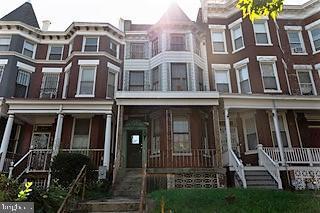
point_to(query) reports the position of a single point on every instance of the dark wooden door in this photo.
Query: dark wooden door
(134, 148)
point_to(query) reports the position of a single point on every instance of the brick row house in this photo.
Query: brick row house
(207, 103)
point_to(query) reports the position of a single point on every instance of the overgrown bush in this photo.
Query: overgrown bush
(9, 189)
(66, 167)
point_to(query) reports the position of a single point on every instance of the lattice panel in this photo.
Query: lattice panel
(197, 180)
(302, 178)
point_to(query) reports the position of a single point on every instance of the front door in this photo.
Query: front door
(134, 148)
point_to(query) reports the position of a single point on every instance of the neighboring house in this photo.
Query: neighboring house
(197, 104)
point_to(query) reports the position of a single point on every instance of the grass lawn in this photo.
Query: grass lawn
(235, 200)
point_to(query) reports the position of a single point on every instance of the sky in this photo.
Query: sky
(62, 13)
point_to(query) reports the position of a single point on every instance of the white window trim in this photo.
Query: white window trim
(222, 29)
(26, 67)
(51, 70)
(73, 127)
(311, 78)
(238, 79)
(70, 49)
(187, 115)
(94, 83)
(243, 117)
(311, 40)
(301, 41)
(67, 70)
(222, 67)
(34, 48)
(266, 25)
(3, 63)
(241, 63)
(85, 40)
(1, 74)
(273, 60)
(116, 73)
(285, 124)
(49, 51)
(232, 38)
(43, 82)
(9, 37)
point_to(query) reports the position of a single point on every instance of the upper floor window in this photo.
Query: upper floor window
(81, 133)
(86, 82)
(5, 43)
(90, 44)
(218, 41)
(250, 132)
(306, 83)
(1, 71)
(155, 79)
(261, 33)
(270, 76)
(243, 80)
(55, 52)
(70, 49)
(155, 46)
(29, 49)
(237, 37)
(314, 35)
(196, 46)
(113, 48)
(22, 84)
(296, 42)
(177, 42)
(136, 80)
(222, 80)
(181, 134)
(137, 50)
(49, 87)
(111, 84)
(200, 78)
(179, 80)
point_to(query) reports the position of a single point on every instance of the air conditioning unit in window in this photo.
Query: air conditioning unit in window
(306, 89)
(297, 50)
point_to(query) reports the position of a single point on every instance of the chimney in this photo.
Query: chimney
(45, 25)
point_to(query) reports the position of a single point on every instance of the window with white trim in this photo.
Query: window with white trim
(113, 46)
(200, 78)
(55, 52)
(136, 80)
(5, 43)
(155, 79)
(218, 41)
(111, 82)
(181, 134)
(137, 50)
(179, 79)
(177, 42)
(155, 135)
(155, 46)
(261, 32)
(296, 41)
(222, 80)
(314, 34)
(243, 80)
(306, 83)
(22, 84)
(269, 76)
(283, 131)
(49, 86)
(87, 78)
(250, 132)
(90, 44)
(237, 37)
(29, 49)
(1, 72)
(70, 49)
(81, 133)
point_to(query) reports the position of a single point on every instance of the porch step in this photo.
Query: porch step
(110, 205)
(128, 184)
(260, 179)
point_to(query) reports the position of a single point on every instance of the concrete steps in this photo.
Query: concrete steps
(128, 184)
(110, 205)
(260, 179)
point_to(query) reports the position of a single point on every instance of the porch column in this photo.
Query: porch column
(227, 121)
(107, 142)
(278, 134)
(57, 136)
(5, 141)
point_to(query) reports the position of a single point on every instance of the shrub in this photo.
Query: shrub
(9, 189)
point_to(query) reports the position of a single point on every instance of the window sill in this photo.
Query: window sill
(267, 45)
(251, 152)
(272, 91)
(220, 53)
(235, 51)
(155, 155)
(182, 154)
(316, 52)
(299, 53)
(84, 96)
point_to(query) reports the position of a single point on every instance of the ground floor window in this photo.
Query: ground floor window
(81, 133)
(283, 131)
(155, 136)
(181, 134)
(250, 132)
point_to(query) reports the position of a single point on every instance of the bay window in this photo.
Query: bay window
(243, 80)
(136, 80)
(296, 42)
(86, 83)
(179, 80)
(314, 35)
(269, 76)
(91, 44)
(22, 84)
(111, 84)
(261, 32)
(49, 87)
(306, 83)
(155, 79)
(55, 52)
(5, 43)
(177, 42)
(29, 49)
(137, 50)
(237, 37)
(155, 46)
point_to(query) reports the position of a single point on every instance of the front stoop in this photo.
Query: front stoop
(110, 205)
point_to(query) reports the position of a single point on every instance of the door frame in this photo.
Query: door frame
(134, 125)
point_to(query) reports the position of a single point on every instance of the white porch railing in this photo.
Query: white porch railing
(238, 167)
(269, 164)
(295, 155)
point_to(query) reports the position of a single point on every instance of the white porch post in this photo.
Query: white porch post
(278, 134)
(5, 141)
(228, 131)
(57, 136)
(107, 143)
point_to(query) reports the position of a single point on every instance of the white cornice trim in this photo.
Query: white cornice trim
(51, 70)
(25, 67)
(302, 67)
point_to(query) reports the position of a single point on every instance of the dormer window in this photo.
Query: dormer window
(55, 52)
(177, 42)
(29, 49)
(90, 44)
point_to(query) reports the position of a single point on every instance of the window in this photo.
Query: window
(204, 134)
(136, 80)
(179, 80)
(181, 136)
(243, 80)
(81, 133)
(315, 33)
(90, 44)
(155, 136)
(177, 42)
(218, 42)
(22, 84)
(113, 48)
(197, 48)
(237, 37)
(269, 75)
(5, 43)
(250, 133)
(222, 81)
(155, 79)
(155, 47)
(137, 50)
(28, 49)
(70, 49)
(283, 131)
(49, 87)
(296, 42)
(306, 82)
(261, 33)
(86, 85)
(1, 71)
(111, 84)
(200, 79)
(55, 52)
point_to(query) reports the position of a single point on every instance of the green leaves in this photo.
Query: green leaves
(255, 9)
(23, 194)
